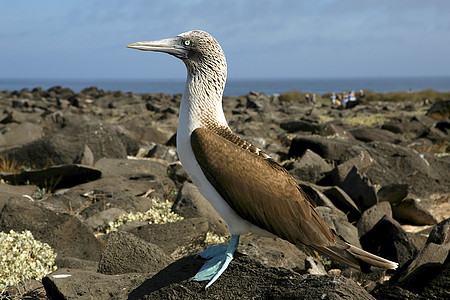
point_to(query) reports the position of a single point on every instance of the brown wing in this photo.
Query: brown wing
(259, 190)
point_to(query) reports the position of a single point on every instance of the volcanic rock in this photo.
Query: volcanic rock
(367, 134)
(387, 239)
(191, 204)
(326, 148)
(343, 202)
(182, 237)
(362, 161)
(63, 146)
(337, 221)
(440, 234)
(104, 217)
(272, 251)
(393, 193)
(359, 188)
(20, 134)
(85, 157)
(81, 284)
(310, 167)
(371, 216)
(125, 253)
(411, 211)
(439, 110)
(423, 268)
(64, 233)
(54, 177)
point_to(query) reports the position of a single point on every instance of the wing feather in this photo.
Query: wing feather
(259, 190)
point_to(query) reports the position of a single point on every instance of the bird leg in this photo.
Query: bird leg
(219, 257)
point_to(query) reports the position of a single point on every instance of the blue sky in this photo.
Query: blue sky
(261, 39)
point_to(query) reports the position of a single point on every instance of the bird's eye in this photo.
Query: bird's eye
(187, 42)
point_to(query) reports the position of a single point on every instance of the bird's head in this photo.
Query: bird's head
(198, 49)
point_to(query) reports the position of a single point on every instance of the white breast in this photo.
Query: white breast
(188, 122)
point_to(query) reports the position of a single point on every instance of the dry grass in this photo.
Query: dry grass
(441, 148)
(10, 165)
(370, 120)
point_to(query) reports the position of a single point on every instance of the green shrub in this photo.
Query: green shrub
(23, 258)
(292, 96)
(160, 213)
(404, 96)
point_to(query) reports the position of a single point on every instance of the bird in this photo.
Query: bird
(249, 190)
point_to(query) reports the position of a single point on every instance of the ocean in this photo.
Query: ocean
(238, 87)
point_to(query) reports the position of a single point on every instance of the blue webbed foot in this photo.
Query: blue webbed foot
(219, 257)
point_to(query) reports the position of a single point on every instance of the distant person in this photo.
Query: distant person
(344, 99)
(313, 99)
(361, 95)
(307, 98)
(335, 100)
(352, 101)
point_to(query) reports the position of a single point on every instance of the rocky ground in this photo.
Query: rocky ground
(73, 162)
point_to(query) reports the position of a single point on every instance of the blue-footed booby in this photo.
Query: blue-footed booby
(249, 190)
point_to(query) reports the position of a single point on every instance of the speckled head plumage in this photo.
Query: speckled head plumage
(205, 52)
(197, 49)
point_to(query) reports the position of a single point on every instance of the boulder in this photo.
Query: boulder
(313, 266)
(444, 125)
(387, 239)
(63, 146)
(337, 221)
(394, 128)
(440, 234)
(190, 203)
(168, 153)
(411, 211)
(89, 199)
(439, 110)
(126, 253)
(315, 193)
(335, 130)
(176, 172)
(343, 202)
(362, 161)
(395, 292)
(175, 239)
(272, 251)
(150, 168)
(104, 217)
(371, 216)
(85, 157)
(425, 174)
(55, 177)
(310, 167)
(393, 193)
(21, 192)
(76, 263)
(367, 134)
(243, 280)
(437, 288)
(423, 268)
(20, 134)
(359, 188)
(300, 125)
(64, 233)
(258, 101)
(327, 148)
(67, 283)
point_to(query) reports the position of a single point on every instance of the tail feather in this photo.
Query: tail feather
(354, 256)
(371, 259)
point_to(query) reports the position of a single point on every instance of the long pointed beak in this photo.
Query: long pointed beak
(171, 46)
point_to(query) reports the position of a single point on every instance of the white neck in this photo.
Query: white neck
(201, 104)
